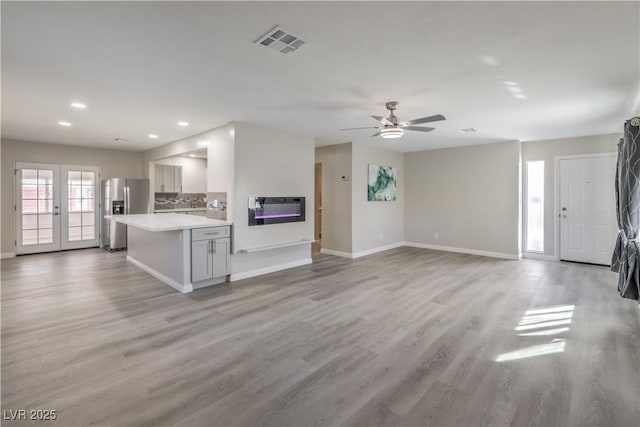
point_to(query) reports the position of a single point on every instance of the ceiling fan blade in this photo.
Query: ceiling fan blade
(435, 118)
(368, 127)
(375, 134)
(382, 120)
(418, 128)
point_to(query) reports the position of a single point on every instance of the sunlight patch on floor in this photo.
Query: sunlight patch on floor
(541, 322)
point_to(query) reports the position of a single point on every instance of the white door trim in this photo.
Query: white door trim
(556, 196)
(17, 214)
(64, 208)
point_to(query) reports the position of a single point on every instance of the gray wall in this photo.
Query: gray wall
(468, 195)
(547, 151)
(112, 163)
(269, 162)
(336, 196)
(376, 224)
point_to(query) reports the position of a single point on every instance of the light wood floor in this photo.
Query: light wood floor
(405, 337)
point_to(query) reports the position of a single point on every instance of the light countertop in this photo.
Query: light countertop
(180, 210)
(167, 221)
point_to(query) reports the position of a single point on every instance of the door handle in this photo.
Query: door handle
(56, 213)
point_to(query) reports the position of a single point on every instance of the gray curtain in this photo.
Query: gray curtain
(626, 254)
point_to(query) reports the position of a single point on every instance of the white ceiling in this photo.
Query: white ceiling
(140, 67)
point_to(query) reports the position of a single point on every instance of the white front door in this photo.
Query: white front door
(56, 207)
(588, 225)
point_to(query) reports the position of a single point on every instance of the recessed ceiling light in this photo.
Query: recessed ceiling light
(78, 105)
(489, 60)
(519, 96)
(515, 89)
(511, 83)
(153, 136)
(64, 123)
(183, 124)
(468, 130)
(192, 155)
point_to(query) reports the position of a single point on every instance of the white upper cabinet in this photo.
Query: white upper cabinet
(168, 179)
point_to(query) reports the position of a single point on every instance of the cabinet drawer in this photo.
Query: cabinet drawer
(209, 233)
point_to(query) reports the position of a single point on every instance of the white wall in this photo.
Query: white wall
(336, 162)
(376, 224)
(112, 163)
(547, 151)
(468, 195)
(269, 162)
(194, 172)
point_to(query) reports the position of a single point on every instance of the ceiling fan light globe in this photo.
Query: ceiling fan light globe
(392, 133)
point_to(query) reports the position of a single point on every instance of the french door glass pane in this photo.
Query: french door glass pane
(75, 205)
(45, 235)
(75, 178)
(29, 237)
(75, 219)
(75, 233)
(45, 191)
(87, 205)
(45, 206)
(75, 191)
(29, 191)
(29, 206)
(88, 178)
(88, 218)
(45, 177)
(45, 220)
(29, 176)
(29, 222)
(88, 233)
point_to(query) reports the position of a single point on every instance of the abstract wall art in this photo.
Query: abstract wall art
(382, 183)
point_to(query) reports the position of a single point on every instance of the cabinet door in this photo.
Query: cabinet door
(167, 179)
(221, 257)
(177, 179)
(201, 261)
(157, 178)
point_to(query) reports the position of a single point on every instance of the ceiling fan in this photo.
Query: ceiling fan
(391, 128)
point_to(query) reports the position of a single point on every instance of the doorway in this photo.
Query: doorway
(318, 208)
(587, 215)
(56, 207)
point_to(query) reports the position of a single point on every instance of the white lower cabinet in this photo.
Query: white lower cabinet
(210, 253)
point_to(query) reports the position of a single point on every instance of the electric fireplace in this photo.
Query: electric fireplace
(275, 210)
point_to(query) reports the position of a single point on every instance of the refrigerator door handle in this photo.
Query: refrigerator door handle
(126, 200)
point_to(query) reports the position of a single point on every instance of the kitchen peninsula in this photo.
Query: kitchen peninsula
(184, 251)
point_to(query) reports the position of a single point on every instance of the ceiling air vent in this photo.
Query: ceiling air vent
(281, 40)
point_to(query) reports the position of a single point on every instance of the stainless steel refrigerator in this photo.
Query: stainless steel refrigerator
(121, 196)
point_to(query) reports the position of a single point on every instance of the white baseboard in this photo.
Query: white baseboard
(336, 253)
(7, 255)
(270, 269)
(361, 253)
(541, 257)
(376, 250)
(462, 250)
(165, 279)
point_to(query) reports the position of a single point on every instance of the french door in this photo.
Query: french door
(588, 227)
(56, 207)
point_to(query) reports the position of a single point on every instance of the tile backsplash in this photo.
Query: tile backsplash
(179, 200)
(217, 205)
